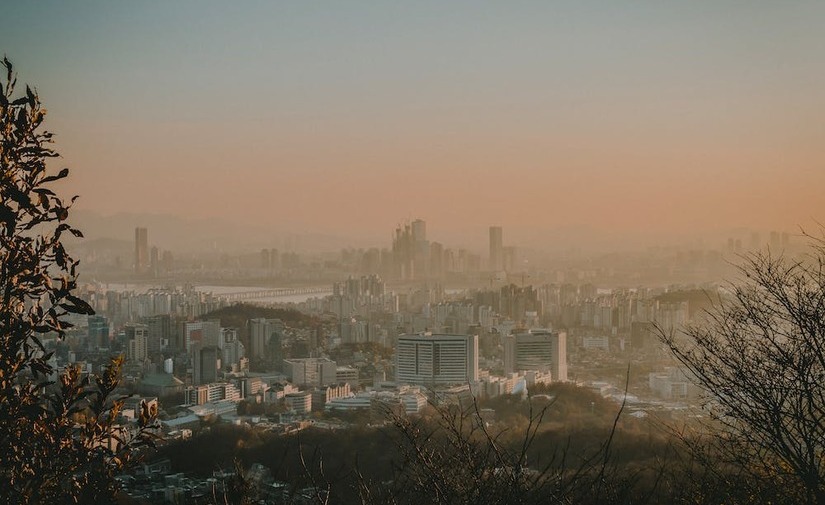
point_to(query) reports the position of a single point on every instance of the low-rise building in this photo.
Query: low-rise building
(347, 374)
(160, 384)
(323, 395)
(300, 403)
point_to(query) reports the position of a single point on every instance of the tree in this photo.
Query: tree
(59, 441)
(453, 456)
(760, 357)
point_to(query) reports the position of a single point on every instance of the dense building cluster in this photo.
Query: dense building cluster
(364, 348)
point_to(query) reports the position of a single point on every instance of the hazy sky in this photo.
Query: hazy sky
(351, 116)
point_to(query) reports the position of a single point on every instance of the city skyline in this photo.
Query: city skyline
(172, 234)
(454, 252)
(645, 118)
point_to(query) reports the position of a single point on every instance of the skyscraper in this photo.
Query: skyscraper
(419, 230)
(496, 248)
(206, 363)
(428, 359)
(141, 250)
(406, 250)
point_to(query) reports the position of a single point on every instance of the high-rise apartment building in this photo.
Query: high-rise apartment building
(427, 359)
(496, 248)
(540, 350)
(137, 338)
(141, 250)
(265, 338)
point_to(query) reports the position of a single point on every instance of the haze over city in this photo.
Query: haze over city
(442, 252)
(557, 120)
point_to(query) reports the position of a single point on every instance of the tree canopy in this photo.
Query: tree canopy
(760, 358)
(59, 439)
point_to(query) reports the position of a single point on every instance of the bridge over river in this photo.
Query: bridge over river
(271, 293)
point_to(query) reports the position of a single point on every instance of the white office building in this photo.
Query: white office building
(426, 359)
(311, 371)
(537, 350)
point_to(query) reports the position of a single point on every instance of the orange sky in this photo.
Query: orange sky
(650, 117)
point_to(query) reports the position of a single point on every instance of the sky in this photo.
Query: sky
(350, 117)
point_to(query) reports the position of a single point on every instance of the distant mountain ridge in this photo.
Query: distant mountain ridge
(186, 235)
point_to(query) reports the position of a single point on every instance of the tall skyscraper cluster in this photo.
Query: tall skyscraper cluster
(414, 257)
(411, 251)
(501, 258)
(149, 261)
